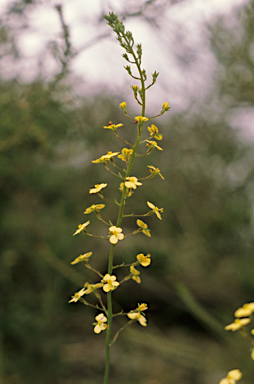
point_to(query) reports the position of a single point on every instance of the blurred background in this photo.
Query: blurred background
(61, 80)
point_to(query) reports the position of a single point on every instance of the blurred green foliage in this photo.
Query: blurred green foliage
(202, 250)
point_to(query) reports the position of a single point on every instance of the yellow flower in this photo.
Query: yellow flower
(94, 208)
(232, 377)
(77, 296)
(132, 182)
(245, 311)
(115, 234)
(122, 105)
(142, 307)
(89, 288)
(155, 171)
(141, 118)
(97, 188)
(154, 132)
(237, 324)
(126, 154)
(105, 158)
(100, 324)
(135, 274)
(84, 258)
(144, 227)
(81, 227)
(109, 282)
(121, 189)
(137, 316)
(252, 354)
(144, 260)
(153, 144)
(135, 88)
(165, 106)
(113, 126)
(156, 210)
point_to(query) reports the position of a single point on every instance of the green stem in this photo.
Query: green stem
(107, 363)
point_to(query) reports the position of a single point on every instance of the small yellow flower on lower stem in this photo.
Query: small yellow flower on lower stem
(97, 188)
(82, 258)
(132, 182)
(137, 316)
(81, 227)
(135, 274)
(109, 282)
(94, 208)
(100, 324)
(237, 324)
(77, 296)
(144, 260)
(232, 377)
(115, 234)
(144, 227)
(156, 210)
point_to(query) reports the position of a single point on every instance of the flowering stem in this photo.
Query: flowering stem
(121, 208)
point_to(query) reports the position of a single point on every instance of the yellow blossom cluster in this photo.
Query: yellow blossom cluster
(108, 282)
(242, 317)
(232, 377)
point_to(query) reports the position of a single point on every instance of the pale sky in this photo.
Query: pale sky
(181, 34)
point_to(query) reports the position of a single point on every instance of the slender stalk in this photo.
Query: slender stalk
(120, 216)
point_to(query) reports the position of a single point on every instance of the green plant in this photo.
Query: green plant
(108, 282)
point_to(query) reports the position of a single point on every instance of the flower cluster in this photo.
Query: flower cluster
(232, 377)
(243, 317)
(114, 233)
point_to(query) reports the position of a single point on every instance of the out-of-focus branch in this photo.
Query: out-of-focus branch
(65, 54)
